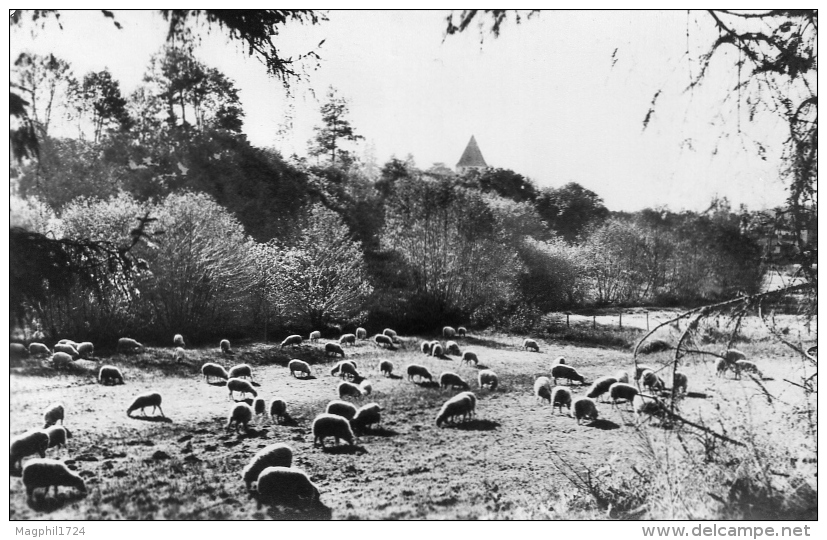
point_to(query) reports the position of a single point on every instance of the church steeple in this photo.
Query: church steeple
(471, 158)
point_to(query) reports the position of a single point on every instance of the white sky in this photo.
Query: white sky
(542, 99)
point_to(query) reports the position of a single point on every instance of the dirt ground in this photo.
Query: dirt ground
(499, 464)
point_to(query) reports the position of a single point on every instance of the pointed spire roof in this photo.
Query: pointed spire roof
(472, 157)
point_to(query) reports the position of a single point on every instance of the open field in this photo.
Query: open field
(497, 465)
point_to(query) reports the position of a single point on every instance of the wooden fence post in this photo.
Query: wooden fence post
(621, 320)
(647, 321)
(594, 322)
(567, 320)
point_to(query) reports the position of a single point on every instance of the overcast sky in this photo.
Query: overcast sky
(559, 98)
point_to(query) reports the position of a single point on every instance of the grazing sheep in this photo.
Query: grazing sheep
(31, 442)
(341, 408)
(52, 414)
(460, 405)
(240, 385)
(469, 356)
(61, 359)
(647, 405)
(214, 371)
(721, 367)
(224, 345)
(178, 340)
(462, 331)
(746, 365)
(110, 375)
(331, 425)
(334, 349)
(562, 371)
(293, 340)
(68, 342)
(733, 355)
(259, 406)
(473, 397)
(86, 349)
(129, 345)
(349, 389)
(149, 399)
(37, 349)
(448, 332)
(622, 376)
(386, 367)
(67, 349)
(382, 340)
(278, 410)
(390, 333)
(299, 366)
(415, 370)
(286, 486)
(58, 436)
(436, 350)
(679, 382)
(366, 386)
(542, 389)
(178, 355)
(347, 338)
(622, 391)
(241, 416)
(651, 380)
(366, 416)
(529, 343)
(425, 347)
(654, 346)
(240, 371)
(452, 347)
(640, 369)
(361, 333)
(600, 386)
(275, 455)
(315, 335)
(345, 367)
(585, 407)
(449, 378)
(45, 473)
(488, 378)
(560, 396)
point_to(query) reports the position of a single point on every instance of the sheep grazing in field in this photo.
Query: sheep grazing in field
(721, 367)
(241, 416)
(345, 368)
(52, 414)
(241, 371)
(286, 486)
(45, 473)
(462, 331)
(390, 333)
(469, 356)
(448, 332)
(733, 355)
(488, 378)
(214, 371)
(647, 405)
(331, 425)
(746, 366)
(651, 380)
(361, 333)
(622, 376)
(67, 349)
(367, 416)
(179, 355)
(341, 408)
(542, 389)
(562, 371)
(585, 408)
(178, 340)
(640, 369)
(65, 341)
(451, 379)
(382, 340)
(347, 338)
(334, 349)
(415, 370)
(680, 382)
(623, 391)
(367, 387)
(529, 343)
(58, 436)
(37, 349)
(654, 346)
(27, 444)
(129, 346)
(600, 386)
(242, 386)
(275, 455)
(149, 399)
(452, 347)
(349, 389)
(425, 347)
(315, 335)
(386, 367)
(436, 350)
(110, 375)
(224, 345)
(473, 397)
(299, 366)
(560, 396)
(295, 340)
(459, 406)
(259, 406)
(61, 360)
(278, 410)
(86, 349)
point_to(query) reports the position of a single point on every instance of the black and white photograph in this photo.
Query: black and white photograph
(414, 264)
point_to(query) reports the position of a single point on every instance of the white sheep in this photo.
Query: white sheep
(129, 345)
(436, 350)
(286, 486)
(733, 355)
(390, 333)
(110, 375)
(67, 349)
(560, 396)
(334, 349)
(367, 387)
(367, 416)
(52, 414)
(425, 347)
(299, 366)
(600, 386)
(452, 347)
(651, 380)
(542, 389)
(45, 473)
(473, 397)
(345, 367)
(278, 410)
(585, 407)
(386, 367)
(622, 376)
(293, 340)
(275, 455)
(149, 399)
(721, 367)
(449, 378)
(259, 406)
(415, 370)
(61, 359)
(622, 391)
(458, 406)
(331, 425)
(448, 332)
(529, 343)
(347, 338)
(469, 356)
(315, 335)
(27, 444)
(68, 342)
(746, 365)
(563, 371)
(361, 333)
(211, 370)
(487, 377)
(341, 408)
(58, 436)
(462, 331)
(349, 389)
(680, 382)
(178, 340)
(241, 416)
(38, 349)
(382, 340)
(86, 349)
(241, 371)
(242, 386)
(640, 369)
(179, 355)
(647, 405)
(224, 345)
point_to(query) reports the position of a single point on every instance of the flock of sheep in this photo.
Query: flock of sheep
(270, 474)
